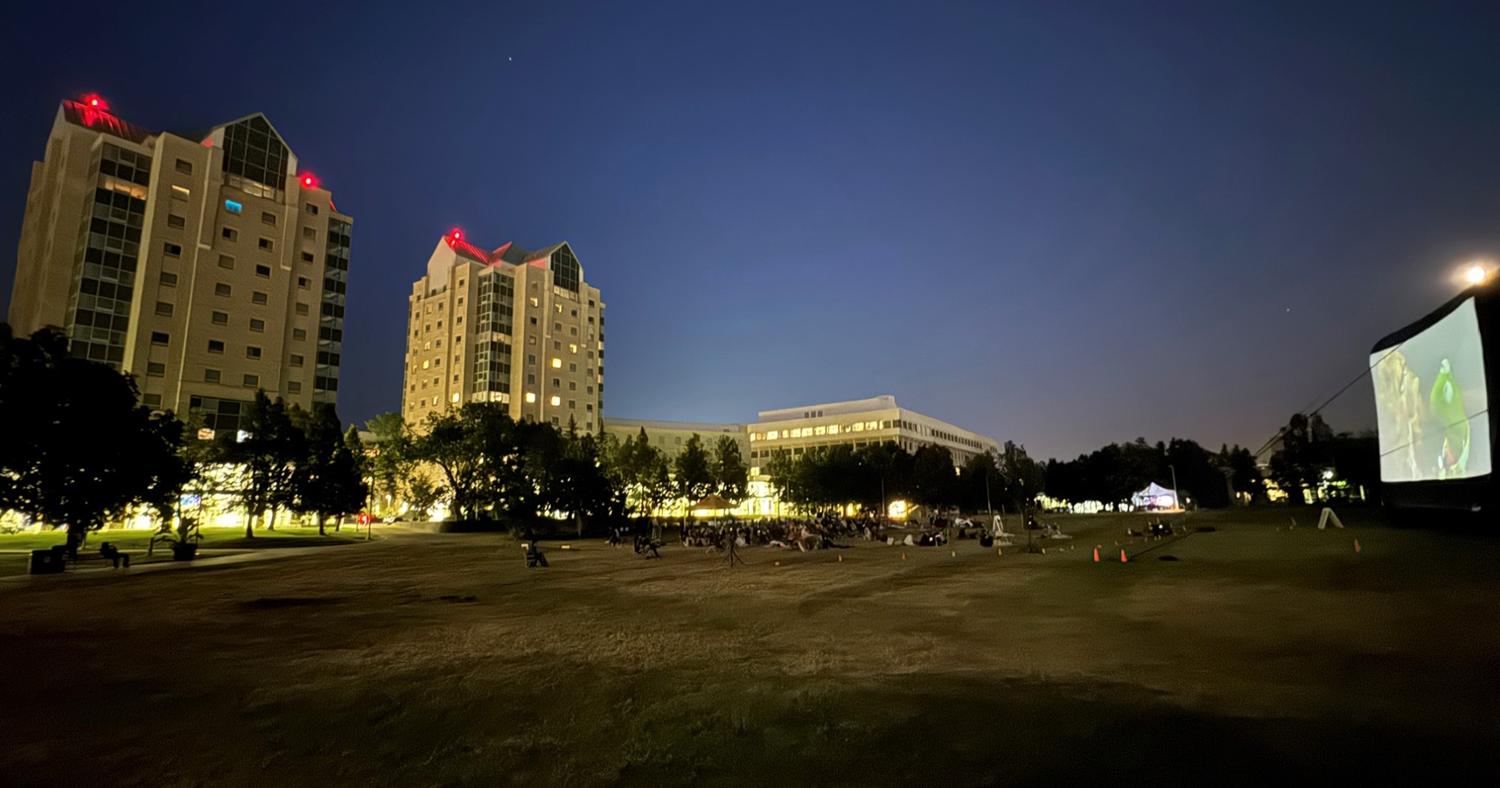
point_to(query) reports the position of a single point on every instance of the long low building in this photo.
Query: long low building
(671, 436)
(859, 423)
(854, 423)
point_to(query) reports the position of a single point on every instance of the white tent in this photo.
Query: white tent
(1155, 496)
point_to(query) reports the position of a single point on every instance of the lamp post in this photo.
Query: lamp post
(1176, 493)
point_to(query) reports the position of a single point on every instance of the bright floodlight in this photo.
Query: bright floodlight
(1476, 274)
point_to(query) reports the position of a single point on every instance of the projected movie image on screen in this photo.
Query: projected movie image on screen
(1431, 402)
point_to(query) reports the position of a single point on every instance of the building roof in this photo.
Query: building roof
(881, 402)
(92, 113)
(681, 426)
(507, 252)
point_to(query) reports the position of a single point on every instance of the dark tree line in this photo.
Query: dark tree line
(650, 480)
(78, 447)
(1112, 473)
(1310, 454)
(871, 476)
(488, 466)
(81, 450)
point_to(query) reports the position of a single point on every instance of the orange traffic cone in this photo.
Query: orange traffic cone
(1356, 545)
(1096, 554)
(1123, 558)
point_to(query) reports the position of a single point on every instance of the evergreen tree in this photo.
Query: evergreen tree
(731, 476)
(695, 476)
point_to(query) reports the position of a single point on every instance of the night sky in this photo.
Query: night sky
(1053, 224)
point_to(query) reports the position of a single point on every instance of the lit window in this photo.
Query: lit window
(531, 396)
(231, 205)
(833, 429)
(181, 192)
(557, 363)
(556, 400)
(772, 435)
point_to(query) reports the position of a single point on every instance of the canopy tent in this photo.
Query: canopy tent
(1155, 496)
(711, 503)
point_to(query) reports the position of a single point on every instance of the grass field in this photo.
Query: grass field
(1261, 653)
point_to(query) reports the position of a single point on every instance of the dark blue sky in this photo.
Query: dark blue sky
(1053, 223)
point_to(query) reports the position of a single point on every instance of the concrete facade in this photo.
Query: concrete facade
(858, 423)
(512, 326)
(204, 264)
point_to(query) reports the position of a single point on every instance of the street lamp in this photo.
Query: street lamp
(1476, 273)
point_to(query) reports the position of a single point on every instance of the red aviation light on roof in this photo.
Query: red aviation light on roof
(307, 180)
(95, 101)
(456, 234)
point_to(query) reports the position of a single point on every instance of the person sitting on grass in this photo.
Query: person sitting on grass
(112, 554)
(646, 547)
(534, 556)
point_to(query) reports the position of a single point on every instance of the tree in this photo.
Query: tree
(577, 484)
(981, 482)
(356, 447)
(1306, 451)
(785, 473)
(657, 487)
(695, 476)
(935, 485)
(1198, 473)
(731, 476)
(1024, 477)
(886, 472)
(1244, 474)
(328, 481)
(78, 447)
(453, 445)
(393, 464)
(265, 453)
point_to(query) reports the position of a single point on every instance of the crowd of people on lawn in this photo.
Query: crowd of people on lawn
(830, 531)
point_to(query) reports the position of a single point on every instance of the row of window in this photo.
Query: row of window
(827, 429)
